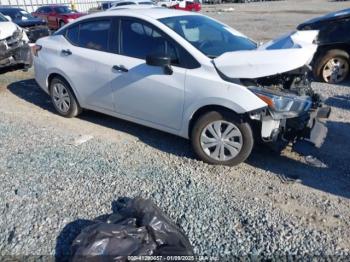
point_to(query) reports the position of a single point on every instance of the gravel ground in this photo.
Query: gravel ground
(51, 185)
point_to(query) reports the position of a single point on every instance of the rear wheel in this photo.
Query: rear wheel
(63, 98)
(221, 139)
(332, 67)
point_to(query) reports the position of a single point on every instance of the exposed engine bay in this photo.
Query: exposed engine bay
(294, 109)
(278, 72)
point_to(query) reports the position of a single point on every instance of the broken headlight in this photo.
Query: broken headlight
(18, 34)
(282, 104)
(3, 47)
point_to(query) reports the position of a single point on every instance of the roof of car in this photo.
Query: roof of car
(155, 12)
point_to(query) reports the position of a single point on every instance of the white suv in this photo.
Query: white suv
(185, 74)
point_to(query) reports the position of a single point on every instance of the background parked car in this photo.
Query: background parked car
(331, 62)
(168, 3)
(122, 3)
(33, 26)
(104, 5)
(14, 48)
(57, 15)
(194, 6)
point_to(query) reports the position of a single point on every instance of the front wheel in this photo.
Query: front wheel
(221, 139)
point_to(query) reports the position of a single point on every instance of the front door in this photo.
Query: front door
(142, 91)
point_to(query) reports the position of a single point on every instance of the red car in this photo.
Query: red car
(194, 6)
(56, 15)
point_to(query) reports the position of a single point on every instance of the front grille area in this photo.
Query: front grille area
(14, 41)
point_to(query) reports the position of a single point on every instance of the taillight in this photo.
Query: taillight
(36, 49)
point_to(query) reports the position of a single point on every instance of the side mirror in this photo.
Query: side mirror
(160, 60)
(8, 17)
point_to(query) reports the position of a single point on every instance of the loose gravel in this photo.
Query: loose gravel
(54, 179)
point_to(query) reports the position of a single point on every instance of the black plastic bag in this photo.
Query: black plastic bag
(138, 228)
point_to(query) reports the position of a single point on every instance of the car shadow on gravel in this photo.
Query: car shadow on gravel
(32, 93)
(339, 101)
(333, 179)
(29, 91)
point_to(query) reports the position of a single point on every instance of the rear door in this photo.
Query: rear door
(86, 59)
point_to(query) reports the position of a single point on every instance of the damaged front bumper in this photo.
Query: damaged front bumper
(302, 121)
(15, 53)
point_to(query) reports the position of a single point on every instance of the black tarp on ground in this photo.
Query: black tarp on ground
(137, 228)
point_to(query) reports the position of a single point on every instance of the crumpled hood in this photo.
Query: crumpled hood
(7, 29)
(284, 54)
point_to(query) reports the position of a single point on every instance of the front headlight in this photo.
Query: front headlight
(70, 20)
(18, 34)
(286, 104)
(3, 46)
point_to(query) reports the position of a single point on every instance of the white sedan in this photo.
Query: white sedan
(186, 74)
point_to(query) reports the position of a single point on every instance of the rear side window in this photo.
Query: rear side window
(95, 35)
(46, 10)
(91, 35)
(72, 34)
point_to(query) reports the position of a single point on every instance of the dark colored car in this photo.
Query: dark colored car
(331, 62)
(57, 15)
(33, 26)
(194, 6)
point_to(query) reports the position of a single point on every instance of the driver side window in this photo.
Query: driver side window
(140, 39)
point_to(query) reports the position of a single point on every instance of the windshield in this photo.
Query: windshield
(210, 37)
(17, 14)
(3, 18)
(64, 10)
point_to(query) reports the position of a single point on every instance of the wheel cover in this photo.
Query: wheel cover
(61, 97)
(335, 70)
(221, 140)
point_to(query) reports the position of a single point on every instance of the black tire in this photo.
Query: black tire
(210, 117)
(322, 60)
(73, 109)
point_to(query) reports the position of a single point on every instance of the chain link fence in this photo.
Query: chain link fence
(32, 5)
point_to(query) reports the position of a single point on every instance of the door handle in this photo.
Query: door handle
(120, 68)
(66, 52)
